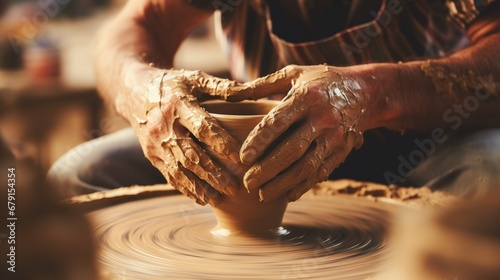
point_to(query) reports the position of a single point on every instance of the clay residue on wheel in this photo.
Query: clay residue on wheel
(99, 200)
(419, 196)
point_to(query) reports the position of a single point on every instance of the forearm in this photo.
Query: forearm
(132, 49)
(459, 91)
(120, 65)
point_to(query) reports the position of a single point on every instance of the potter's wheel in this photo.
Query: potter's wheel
(329, 237)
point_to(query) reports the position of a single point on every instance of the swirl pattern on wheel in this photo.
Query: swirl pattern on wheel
(170, 238)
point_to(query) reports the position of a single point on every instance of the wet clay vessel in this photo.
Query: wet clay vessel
(244, 214)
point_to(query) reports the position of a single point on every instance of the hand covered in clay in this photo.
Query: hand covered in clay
(175, 133)
(301, 141)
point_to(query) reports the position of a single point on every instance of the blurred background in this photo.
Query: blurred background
(48, 97)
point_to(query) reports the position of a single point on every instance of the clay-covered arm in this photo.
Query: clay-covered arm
(133, 60)
(327, 108)
(460, 91)
(134, 47)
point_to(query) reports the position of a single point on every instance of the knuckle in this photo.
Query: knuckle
(308, 168)
(328, 117)
(207, 129)
(314, 162)
(299, 146)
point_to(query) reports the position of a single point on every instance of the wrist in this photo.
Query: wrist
(381, 85)
(132, 97)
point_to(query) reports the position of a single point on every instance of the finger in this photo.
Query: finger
(199, 198)
(274, 124)
(321, 175)
(188, 183)
(205, 86)
(169, 168)
(194, 159)
(184, 190)
(279, 82)
(298, 172)
(200, 188)
(207, 130)
(331, 163)
(289, 150)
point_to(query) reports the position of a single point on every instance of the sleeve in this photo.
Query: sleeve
(464, 12)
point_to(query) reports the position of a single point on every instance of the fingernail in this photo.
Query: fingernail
(248, 155)
(251, 184)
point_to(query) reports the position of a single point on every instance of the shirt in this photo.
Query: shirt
(261, 36)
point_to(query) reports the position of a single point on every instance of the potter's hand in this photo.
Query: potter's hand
(175, 132)
(312, 131)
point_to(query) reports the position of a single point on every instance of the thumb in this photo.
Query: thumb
(205, 86)
(279, 82)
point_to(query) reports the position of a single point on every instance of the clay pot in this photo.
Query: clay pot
(244, 213)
